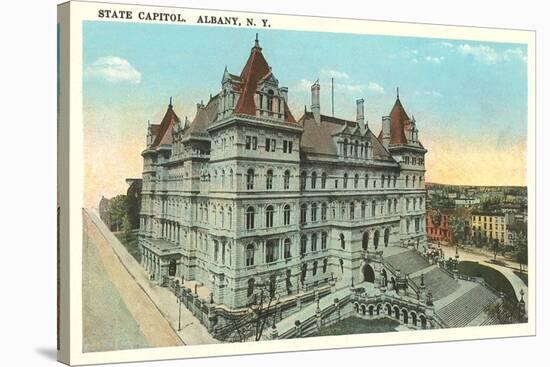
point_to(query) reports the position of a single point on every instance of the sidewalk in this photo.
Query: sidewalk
(192, 331)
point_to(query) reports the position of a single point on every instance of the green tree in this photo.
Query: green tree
(457, 225)
(118, 212)
(520, 253)
(505, 311)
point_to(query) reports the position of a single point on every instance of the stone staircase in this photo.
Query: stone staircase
(407, 262)
(465, 309)
(437, 281)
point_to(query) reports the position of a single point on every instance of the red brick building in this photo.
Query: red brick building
(438, 226)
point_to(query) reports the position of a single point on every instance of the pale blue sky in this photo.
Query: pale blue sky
(456, 90)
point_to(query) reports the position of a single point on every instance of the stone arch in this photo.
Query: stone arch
(396, 312)
(368, 273)
(386, 237)
(356, 307)
(405, 316)
(363, 309)
(414, 318)
(378, 309)
(376, 239)
(388, 309)
(371, 310)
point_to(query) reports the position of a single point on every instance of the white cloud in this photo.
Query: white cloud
(446, 44)
(435, 59)
(516, 53)
(303, 85)
(114, 70)
(481, 53)
(375, 87)
(336, 74)
(489, 55)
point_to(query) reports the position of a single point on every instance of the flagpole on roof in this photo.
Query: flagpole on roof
(332, 95)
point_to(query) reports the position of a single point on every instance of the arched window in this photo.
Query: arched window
(324, 241)
(324, 211)
(314, 270)
(383, 180)
(286, 249)
(229, 217)
(250, 214)
(250, 179)
(363, 209)
(365, 240)
(223, 178)
(271, 251)
(345, 147)
(356, 148)
(373, 208)
(314, 212)
(314, 242)
(323, 180)
(303, 177)
(407, 204)
(303, 213)
(376, 239)
(414, 181)
(286, 215)
(366, 181)
(222, 218)
(356, 181)
(313, 180)
(231, 178)
(269, 180)
(325, 263)
(394, 181)
(345, 180)
(342, 241)
(251, 286)
(406, 181)
(303, 244)
(269, 216)
(249, 255)
(386, 237)
(286, 180)
(352, 210)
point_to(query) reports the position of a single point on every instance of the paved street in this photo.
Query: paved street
(117, 314)
(507, 271)
(192, 331)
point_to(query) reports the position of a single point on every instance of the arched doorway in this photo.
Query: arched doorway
(388, 309)
(371, 310)
(368, 273)
(405, 316)
(172, 268)
(384, 277)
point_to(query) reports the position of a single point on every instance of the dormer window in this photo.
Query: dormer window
(270, 100)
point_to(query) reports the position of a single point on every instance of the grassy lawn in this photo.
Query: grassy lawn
(356, 325)
(492, 276)
(522, 276)
(131, 243)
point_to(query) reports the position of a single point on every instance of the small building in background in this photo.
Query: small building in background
(133, 197)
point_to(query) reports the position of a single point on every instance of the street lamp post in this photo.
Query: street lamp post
(179, 314)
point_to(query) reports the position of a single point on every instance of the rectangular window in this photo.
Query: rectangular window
(254, 143)
(273, 145)
(285, 146)
(247, 143)
(290, 147)
(267, 144)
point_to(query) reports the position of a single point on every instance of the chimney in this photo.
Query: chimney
(360, 111)
(386, 131)
(315, 105)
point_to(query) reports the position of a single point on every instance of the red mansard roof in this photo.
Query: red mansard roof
(398, 120)
(164, 135)
(254, 71)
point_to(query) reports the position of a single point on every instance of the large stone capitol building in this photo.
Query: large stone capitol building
(246, 193)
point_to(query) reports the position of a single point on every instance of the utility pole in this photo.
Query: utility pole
(332, 95)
